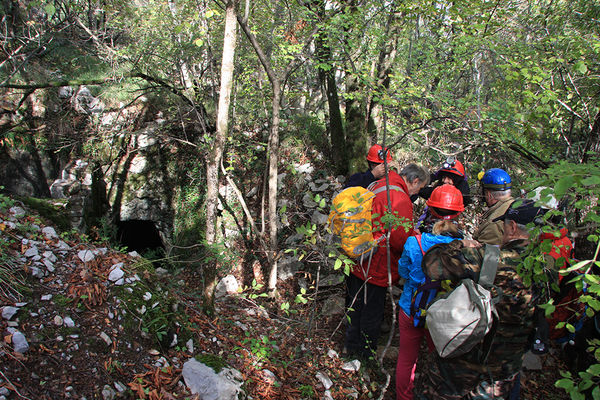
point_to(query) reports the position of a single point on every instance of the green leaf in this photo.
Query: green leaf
(589, 312)
(338, 264)
(596, 393)
(50, 10)
(575, 267)
(581, 67)
(577, 396)
(566, 384)
(594, 369)
(595, 304)
(199, 42)
(548, 309)
(591, 180)
(563, 185)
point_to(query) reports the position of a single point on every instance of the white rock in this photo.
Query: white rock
(49, 232)
(120, 387)
(46, 297)
(50, 256)
(16, 211)
(35, 271)
(321, 188)
(324, 379)
(85, 255)
(147, 296)
(19, 342)
(332, 354)
(190, 346)
(227, 285)
(116, 272)
(202, 380)
(49, 266)
(68, 321)
(31, 252)
(351, 366)
(108, 393)
(8, 312)
(304, 168)
(63, 246)
(307, 201)
(58, 321)
(268, 376)
(106, 338)
(318, 218)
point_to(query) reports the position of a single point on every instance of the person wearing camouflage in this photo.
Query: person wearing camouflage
(475, 375)
(496, 191)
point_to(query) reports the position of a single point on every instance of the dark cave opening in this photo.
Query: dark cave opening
(139, 235)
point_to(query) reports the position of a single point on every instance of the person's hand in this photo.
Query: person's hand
(471, 243)
(379, 171)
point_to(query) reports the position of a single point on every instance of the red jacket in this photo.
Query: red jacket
(376, 271)
(561, 247)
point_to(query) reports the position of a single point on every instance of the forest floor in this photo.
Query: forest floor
(81, 344)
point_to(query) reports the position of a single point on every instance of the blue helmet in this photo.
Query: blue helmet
(496, 179)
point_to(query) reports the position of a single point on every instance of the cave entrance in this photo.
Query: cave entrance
(141, 236)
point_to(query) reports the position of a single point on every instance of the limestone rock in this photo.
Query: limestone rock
(202, 380)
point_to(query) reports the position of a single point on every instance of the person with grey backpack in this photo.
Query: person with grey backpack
(486, 315)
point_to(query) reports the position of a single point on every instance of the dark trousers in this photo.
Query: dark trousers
(365, 317)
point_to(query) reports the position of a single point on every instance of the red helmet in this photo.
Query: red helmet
(453, 166)
(376, 154)
(446, 202)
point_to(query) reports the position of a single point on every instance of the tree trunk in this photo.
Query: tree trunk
(272, 151)
(327, 80)
(214, 159)
(373, 123)
(273, 162)
(356, 135)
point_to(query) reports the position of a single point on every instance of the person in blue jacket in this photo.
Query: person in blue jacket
(376, 171)
(447, 203)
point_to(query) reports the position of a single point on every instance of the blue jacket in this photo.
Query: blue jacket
(409, 265)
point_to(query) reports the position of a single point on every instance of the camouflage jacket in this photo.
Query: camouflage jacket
(489, 231)
(466, 376)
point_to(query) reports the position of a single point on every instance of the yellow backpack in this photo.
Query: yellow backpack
(350, 219)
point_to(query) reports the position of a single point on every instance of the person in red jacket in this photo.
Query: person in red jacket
(366, 286)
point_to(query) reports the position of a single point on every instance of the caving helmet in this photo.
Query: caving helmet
(376, 154)
(446, 202)
(496, 179)
(453, 166)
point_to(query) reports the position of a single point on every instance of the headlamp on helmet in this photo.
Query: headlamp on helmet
(453, 166)
(378, 154)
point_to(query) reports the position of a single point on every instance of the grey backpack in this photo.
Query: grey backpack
(461, 319)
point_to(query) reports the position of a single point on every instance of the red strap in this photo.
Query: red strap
(418, 237)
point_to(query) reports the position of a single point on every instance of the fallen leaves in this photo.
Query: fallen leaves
(156, 383)
(93, 294)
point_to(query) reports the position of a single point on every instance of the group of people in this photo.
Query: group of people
(504, 224)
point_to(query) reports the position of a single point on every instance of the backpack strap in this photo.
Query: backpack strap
(487, 274)
(418, 237)
(384, 188)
